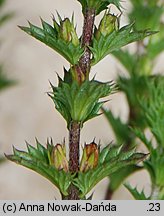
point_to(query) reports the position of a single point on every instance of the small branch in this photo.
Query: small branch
(85, 60)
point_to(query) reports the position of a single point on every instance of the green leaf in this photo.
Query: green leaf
(155, 166)
(4, 81)
(152, 105)
(117, 178)
(116, 40)
(156, 44)
(5, 17)
(139, 134)
(135, 88)
(137, 195)
(155, 49)
(127, 59)
(37, 159)
(98, 5)
(121, 130)
(109, 162)
(2, 2)
(49, 36)
(79, 102)
(147, 16)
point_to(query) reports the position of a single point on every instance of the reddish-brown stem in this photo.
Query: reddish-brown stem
(74, 131)
(85, 60)
(109, 194)
(74, 139)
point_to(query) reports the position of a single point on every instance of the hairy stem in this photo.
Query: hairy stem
(74, 131)
(85, 61)
(74, 139)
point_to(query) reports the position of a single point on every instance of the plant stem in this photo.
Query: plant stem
(109, 194)
(74, 131)
(85, 61)
(74, 139)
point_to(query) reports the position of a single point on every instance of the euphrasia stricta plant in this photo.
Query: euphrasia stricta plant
(144, 92)
(78, 98)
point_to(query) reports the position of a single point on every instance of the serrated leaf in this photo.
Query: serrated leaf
(49, 29)
(135, 88)
(115, 41)
(137, 195)
(80, 103)
(37, 159)
(107, 165)
(139, 134)
(152, 105)
(49, 36)
(121, 130)
(104, 153)
(155, 166)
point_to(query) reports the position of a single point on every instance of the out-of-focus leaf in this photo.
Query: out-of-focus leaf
(146, 16)
(4, 18)
(117, 178)
(121, 130)
(126, 58)
(2, 2)
(4, 81)
(153, 107)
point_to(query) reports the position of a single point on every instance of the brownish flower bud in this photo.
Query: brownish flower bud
(90, 157)
(58, 157)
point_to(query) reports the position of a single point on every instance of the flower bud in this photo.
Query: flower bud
(68, 32)
(108, 24)
(90, 157)
(58, 157)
